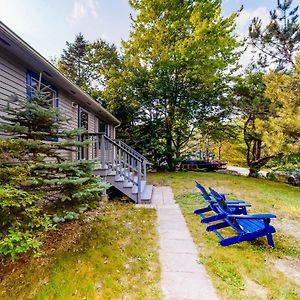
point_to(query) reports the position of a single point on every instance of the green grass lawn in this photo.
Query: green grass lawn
(111, 254)
(249, 270)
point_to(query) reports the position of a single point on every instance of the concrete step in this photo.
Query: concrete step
(147, 193)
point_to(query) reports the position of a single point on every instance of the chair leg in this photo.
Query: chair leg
(270, 240)
(202, 210)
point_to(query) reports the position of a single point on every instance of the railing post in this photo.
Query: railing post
(139, 182)
(102, 145)
(145, 169)
(97, 146)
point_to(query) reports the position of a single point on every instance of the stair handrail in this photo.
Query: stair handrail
(113, 142)
(142, 157)
(131, 149)
(133, 162)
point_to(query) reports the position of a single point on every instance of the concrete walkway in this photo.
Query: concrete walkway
(182, 276)
(245, 171)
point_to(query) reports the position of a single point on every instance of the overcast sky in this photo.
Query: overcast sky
(47, 24)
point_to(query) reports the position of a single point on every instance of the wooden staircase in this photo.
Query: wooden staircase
(121, 166)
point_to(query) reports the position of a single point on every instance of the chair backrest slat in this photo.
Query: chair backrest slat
(220, 199)
(205, 194)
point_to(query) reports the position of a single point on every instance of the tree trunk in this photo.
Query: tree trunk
(255, 166)
(253, 170)
(219, 150)
(169, 154)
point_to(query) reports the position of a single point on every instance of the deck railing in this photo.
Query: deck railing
(118, 158)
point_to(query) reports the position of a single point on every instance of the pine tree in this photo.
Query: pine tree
(39, 139)
(34, 172)
(73, 61)
(279, 41)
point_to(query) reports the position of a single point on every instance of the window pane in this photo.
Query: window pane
(46, 92)
(101, 126)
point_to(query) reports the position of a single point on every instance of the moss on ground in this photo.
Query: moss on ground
(111, 254)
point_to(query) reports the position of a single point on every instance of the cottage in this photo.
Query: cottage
(20, 69)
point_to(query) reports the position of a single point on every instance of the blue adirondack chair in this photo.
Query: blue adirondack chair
(249, 227)
(233, 206)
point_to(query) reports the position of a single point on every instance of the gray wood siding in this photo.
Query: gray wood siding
(71, 114)
(12, 80)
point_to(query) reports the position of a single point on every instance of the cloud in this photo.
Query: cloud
(242, 25)
(82, 9)
(246, 16)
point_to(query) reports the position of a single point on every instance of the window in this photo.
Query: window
(83, 119)
(48, 90)
(103, 127)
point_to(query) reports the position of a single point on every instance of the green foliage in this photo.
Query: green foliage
(173, 74)
(21, 218)
(89, 64)
(68, 216)
(256, 112)
(17, 242)
(18, 208)
(73, 63)
(279, 41)
(35, 172)
(284, 95)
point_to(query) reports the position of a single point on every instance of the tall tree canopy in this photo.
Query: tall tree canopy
(73, 61)
(279, 41)
(176, 58)
(269, 110)
(284, 93)
(89, 64)
(255, 111)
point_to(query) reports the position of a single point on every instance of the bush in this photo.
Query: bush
(34, 171)
(17, 242)
(20, 220)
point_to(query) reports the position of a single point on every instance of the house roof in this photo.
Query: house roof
(37, 63)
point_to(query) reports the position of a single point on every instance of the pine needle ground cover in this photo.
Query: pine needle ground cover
(249, 270)
(110, 253)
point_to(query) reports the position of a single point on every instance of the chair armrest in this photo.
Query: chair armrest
(238, 204)
(253, 217)
(228, 201)
(234, 201)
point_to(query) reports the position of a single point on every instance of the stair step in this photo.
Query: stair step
(128, 184)
(135, 188)
(119, 178)
(147, 193)
(111, 173)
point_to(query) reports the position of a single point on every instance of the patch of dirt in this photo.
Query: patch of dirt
(289, 227)
(253, 288)
(290, 267)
